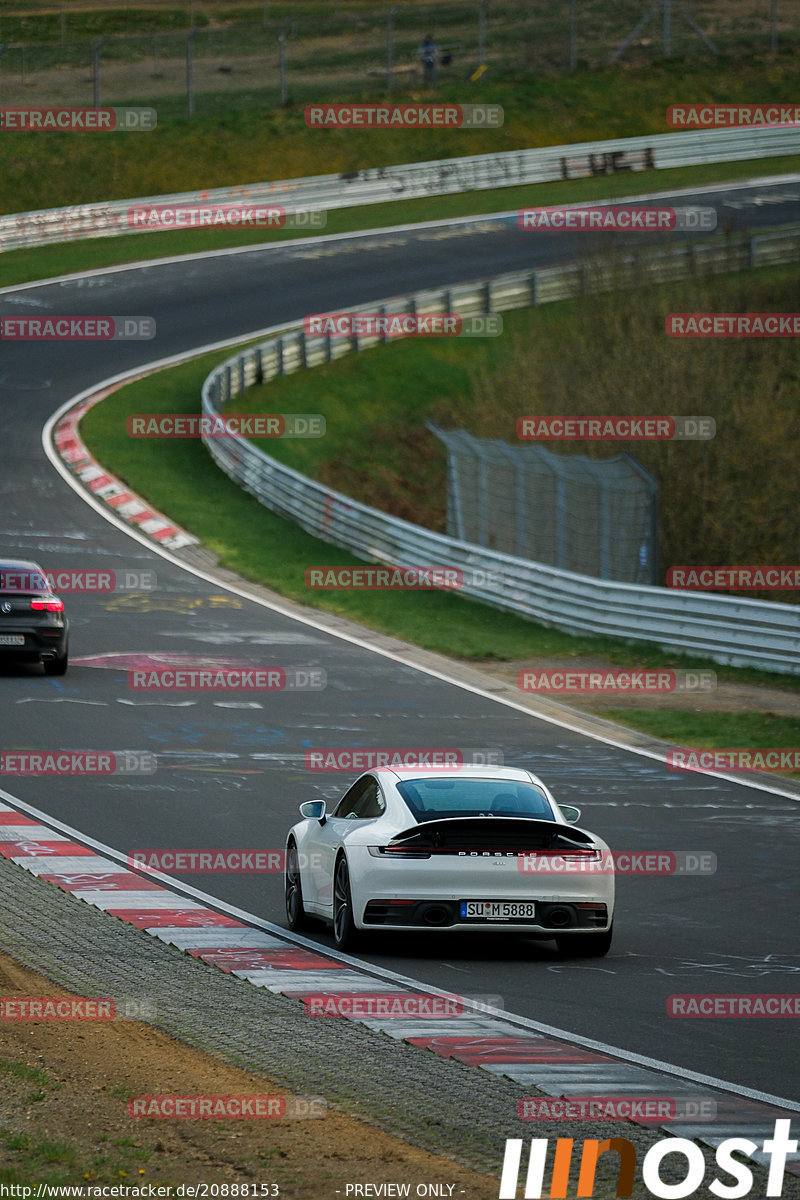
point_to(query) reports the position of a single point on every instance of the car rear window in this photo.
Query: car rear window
(438, 799)
(22, 579)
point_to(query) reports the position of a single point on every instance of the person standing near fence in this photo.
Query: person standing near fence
(429, 54)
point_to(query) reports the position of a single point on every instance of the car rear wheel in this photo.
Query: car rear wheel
(344, 930)
(585, 945)
(295, 912)
(56, 666)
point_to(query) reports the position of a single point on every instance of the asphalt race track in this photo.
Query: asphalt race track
(230, 768)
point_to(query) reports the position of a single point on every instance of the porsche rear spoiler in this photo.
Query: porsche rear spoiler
(498, 834)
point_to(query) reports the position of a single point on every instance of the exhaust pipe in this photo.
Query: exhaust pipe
(559, 918)
(434, 914)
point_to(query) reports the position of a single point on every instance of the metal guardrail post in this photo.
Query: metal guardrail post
(190, 72)
(534, 286)
(560, 522)
(390, 47)
(282, 63)
(519, 507)
(482, 6)
(3, 49)
(483, 489)
(573, 35)
(455, 480)
(666, 30)
(96, 48)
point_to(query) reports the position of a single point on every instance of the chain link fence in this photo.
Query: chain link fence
(598, 517)
(321, 54)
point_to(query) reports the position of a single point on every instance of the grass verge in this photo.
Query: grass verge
(242, 137)
(179, 477)
(706, 731)
(757, 730)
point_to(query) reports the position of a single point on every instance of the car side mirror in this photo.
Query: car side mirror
(314, 810)
(570, 813)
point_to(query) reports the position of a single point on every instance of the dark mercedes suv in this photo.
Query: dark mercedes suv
(33, 625)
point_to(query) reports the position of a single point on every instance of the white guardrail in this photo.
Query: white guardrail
(730, 630)
(411, 180)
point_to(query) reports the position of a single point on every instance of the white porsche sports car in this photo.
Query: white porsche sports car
(451, 850)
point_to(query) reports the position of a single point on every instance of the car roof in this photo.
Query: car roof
(17, 564)
(511, 774)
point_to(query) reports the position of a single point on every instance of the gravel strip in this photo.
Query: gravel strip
(439, 1104)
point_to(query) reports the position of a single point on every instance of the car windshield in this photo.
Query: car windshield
(438, 799)
(22, 579)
